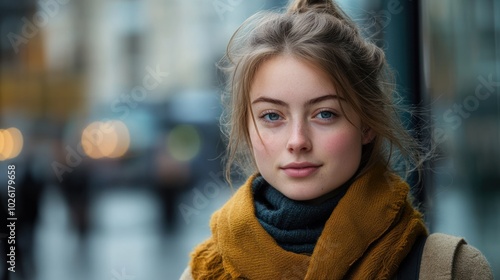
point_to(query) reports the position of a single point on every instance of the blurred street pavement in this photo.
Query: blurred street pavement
(125, 241)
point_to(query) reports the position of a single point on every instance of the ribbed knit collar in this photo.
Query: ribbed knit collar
(294, 225)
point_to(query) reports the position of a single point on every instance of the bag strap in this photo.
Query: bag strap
(409, 269)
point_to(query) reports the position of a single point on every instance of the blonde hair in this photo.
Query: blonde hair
(319, 32)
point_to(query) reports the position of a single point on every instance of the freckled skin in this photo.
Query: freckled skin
(297, 114)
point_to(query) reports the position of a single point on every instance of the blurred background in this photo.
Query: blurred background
(109, 112)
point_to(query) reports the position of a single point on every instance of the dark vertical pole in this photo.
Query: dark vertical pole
(402, 35)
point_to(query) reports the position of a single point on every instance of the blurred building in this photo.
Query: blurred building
(460, 44)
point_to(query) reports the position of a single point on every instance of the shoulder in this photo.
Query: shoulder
(471, 263)
(450, 257)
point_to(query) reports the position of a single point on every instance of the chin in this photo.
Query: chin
(302, 196)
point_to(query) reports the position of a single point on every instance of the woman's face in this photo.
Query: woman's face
(302, 143)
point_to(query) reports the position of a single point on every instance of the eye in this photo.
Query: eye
(271, 117)
(326, 115)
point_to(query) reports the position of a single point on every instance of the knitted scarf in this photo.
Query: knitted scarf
(295, 225)
(369, 233)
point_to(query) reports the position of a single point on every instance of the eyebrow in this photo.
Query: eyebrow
(308, 103)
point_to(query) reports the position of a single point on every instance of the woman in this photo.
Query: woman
(312, 119)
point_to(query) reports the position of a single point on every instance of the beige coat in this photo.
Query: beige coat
(449, 257)
(445, 257)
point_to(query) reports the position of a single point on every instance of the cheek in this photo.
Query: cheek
(345, 143)
(258, 144)
(262, 146)
(265, 149)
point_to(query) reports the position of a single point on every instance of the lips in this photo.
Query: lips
(300, 169)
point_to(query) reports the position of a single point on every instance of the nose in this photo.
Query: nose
(299, 139)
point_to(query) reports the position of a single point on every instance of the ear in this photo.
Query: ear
(367, 135)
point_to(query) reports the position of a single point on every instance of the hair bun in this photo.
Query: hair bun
(320, 6)
(300, 6)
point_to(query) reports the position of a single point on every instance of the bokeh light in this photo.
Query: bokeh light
(109, 139)
(92, 137)
(11, 143)
(123, 139)
(184, 142)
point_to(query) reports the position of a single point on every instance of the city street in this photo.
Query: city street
(125, 242)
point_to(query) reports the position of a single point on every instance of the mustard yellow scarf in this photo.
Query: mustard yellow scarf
(367, 236)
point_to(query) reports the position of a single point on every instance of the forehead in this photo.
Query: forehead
(286, 77)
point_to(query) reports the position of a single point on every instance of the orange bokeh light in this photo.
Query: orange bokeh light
(109, 139)
(11, 143)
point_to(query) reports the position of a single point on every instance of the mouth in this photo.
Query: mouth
(300, 169)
